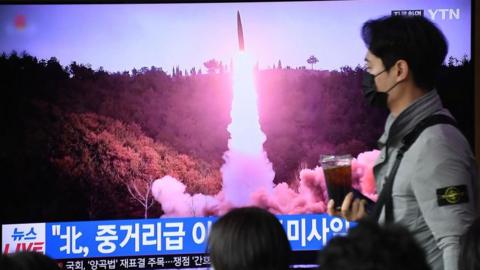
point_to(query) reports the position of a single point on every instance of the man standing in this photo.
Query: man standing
(429, 185)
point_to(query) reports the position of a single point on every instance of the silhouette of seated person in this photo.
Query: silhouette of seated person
(248, 238)
(27, 261)
(469, 258)
(368, 246)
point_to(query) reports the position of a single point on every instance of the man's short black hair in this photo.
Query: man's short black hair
(414, 39)
(371, 247)
(249, 238)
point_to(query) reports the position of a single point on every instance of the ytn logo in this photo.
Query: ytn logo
(444, 14)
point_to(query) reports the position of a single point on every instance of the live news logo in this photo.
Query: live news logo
(23, 237)
(32, 246)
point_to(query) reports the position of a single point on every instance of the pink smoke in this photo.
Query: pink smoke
(170, 193)
(244, 174)
(311, 196)
(362, 174)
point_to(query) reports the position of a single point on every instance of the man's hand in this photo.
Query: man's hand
(350, 211)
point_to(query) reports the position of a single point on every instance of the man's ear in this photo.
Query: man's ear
(401, 70)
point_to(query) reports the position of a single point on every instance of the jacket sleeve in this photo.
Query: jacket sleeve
(443, 185)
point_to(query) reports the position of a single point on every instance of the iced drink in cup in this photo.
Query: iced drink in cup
(338, 176)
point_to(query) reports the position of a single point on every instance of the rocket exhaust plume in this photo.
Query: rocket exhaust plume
(241, 44)
(247, 168)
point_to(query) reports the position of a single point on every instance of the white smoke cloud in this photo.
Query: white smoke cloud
(244, 174)
(311, 196)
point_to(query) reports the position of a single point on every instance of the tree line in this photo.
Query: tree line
(79, 143)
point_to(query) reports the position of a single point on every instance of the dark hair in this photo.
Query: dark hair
(248, 238)
(371, 247)
(414, 39)
(27, 261)
(469, 258)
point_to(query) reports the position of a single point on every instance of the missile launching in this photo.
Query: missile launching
(241, 44)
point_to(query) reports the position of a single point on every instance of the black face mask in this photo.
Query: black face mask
(374, 98)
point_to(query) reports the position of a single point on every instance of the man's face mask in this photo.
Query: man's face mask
(374, 97)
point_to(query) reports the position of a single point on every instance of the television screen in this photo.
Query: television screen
(113, 112)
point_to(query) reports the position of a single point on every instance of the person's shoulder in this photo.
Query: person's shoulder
(441, 138)
(442, 132)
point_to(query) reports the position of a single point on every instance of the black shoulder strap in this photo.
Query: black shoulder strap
(385, 197)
